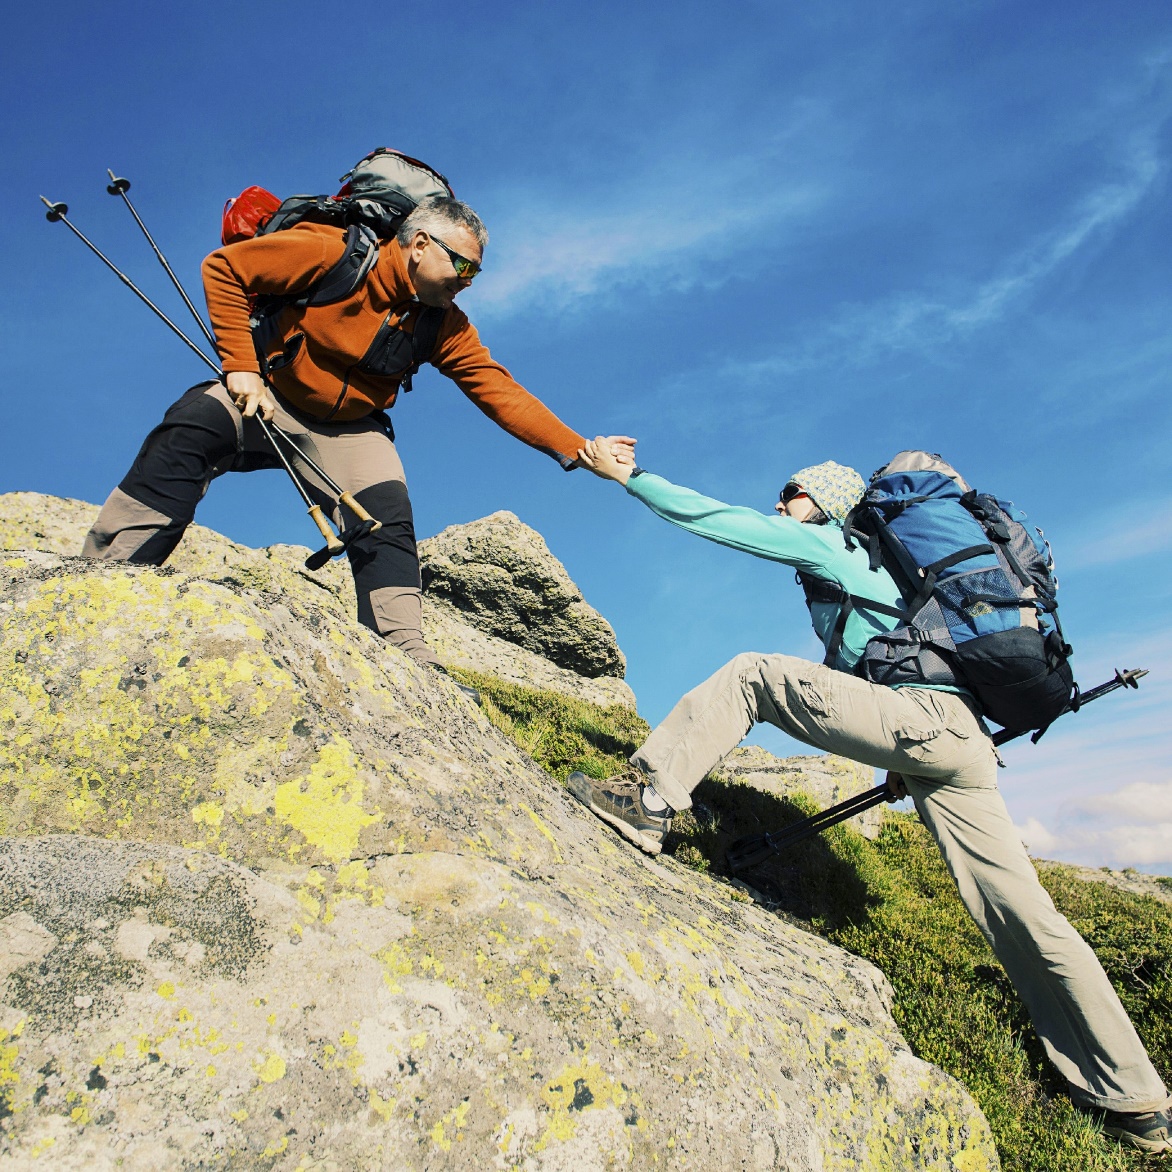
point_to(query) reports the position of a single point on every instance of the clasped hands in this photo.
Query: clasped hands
(610, 456)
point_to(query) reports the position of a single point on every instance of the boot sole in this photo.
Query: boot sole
(584, 792)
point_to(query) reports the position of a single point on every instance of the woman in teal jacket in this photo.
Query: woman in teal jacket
(935, 747)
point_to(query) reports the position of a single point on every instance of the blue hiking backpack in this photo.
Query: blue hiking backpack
(977, 581)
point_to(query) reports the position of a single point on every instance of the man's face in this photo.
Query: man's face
(431, 269)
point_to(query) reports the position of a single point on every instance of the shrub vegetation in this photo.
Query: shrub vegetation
(892, 901)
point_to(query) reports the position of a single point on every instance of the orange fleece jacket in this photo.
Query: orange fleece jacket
(321, 380)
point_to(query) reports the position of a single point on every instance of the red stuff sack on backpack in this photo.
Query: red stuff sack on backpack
(245, 215)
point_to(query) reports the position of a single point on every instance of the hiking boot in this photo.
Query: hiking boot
(619, 801)
(1151, 1130)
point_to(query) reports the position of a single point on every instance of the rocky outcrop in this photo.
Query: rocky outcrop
(30, 520)
(1136, 882)
(502, 578)
(827, 779)
(273, 896)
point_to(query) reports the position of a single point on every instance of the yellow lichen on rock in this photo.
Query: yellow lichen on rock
(326, 806)
(337, 890)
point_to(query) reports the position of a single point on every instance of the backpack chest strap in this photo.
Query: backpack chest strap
(820, 590)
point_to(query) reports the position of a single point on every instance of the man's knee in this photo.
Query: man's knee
(748, 666)
(769, 673)
(387, 559)
(179, 457)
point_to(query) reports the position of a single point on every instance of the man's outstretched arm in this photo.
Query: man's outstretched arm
(466, 361)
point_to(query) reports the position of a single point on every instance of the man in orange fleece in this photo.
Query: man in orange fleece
(326, 371)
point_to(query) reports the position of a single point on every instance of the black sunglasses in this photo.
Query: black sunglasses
(791, 491)
(465, 269)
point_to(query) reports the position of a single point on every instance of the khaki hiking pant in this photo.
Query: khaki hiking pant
(203, 435)
(950, 767)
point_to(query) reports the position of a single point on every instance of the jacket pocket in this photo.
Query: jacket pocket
(287, 355)
(390, 354)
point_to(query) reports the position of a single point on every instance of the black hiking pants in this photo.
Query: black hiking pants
(203, 435)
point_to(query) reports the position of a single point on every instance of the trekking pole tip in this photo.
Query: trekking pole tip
(117, 185)
(56, 210)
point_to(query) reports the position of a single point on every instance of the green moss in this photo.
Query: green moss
(893, 902)
(561, 734)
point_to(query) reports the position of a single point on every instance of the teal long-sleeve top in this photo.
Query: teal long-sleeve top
(818, 550)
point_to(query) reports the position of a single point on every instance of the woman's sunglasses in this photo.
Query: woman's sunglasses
(790, 492)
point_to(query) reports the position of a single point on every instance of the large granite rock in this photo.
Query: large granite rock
(500, 575)
(31, 520)
(273, 896)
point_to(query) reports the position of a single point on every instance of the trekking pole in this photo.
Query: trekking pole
(756, 848)
(120, 186)
(334, 544)
(59, 212)
(366, 523)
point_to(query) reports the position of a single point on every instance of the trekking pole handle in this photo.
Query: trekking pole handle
(333, 544)
(362, 515)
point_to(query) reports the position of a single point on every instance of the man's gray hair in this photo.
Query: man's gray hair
(437, 213)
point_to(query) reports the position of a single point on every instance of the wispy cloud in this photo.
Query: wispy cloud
(1128, 827)
(913, 321)
(660, 222)
(1102, 541)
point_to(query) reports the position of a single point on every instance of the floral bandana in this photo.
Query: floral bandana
(834, 488)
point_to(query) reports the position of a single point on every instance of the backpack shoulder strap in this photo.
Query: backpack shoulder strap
(348, 272)
(423, 340)
(822, 590)
(359, 256)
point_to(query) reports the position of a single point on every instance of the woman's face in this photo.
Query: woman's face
(799, 507)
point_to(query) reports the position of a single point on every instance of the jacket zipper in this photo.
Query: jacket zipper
(350, 370)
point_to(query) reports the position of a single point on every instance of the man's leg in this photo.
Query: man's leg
(1076, 1012)
(362, 458)
(145, 516)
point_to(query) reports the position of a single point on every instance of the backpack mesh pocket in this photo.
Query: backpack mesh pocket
(978, 603)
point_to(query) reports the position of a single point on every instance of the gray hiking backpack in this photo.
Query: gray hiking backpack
(376, 196)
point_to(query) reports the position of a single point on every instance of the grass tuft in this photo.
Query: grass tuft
(892, 901)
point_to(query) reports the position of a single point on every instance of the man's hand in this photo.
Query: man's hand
(895, 786)
(601, 458)
(250, 393)
(622, 447)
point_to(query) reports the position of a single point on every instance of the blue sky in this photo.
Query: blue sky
(755, 237)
